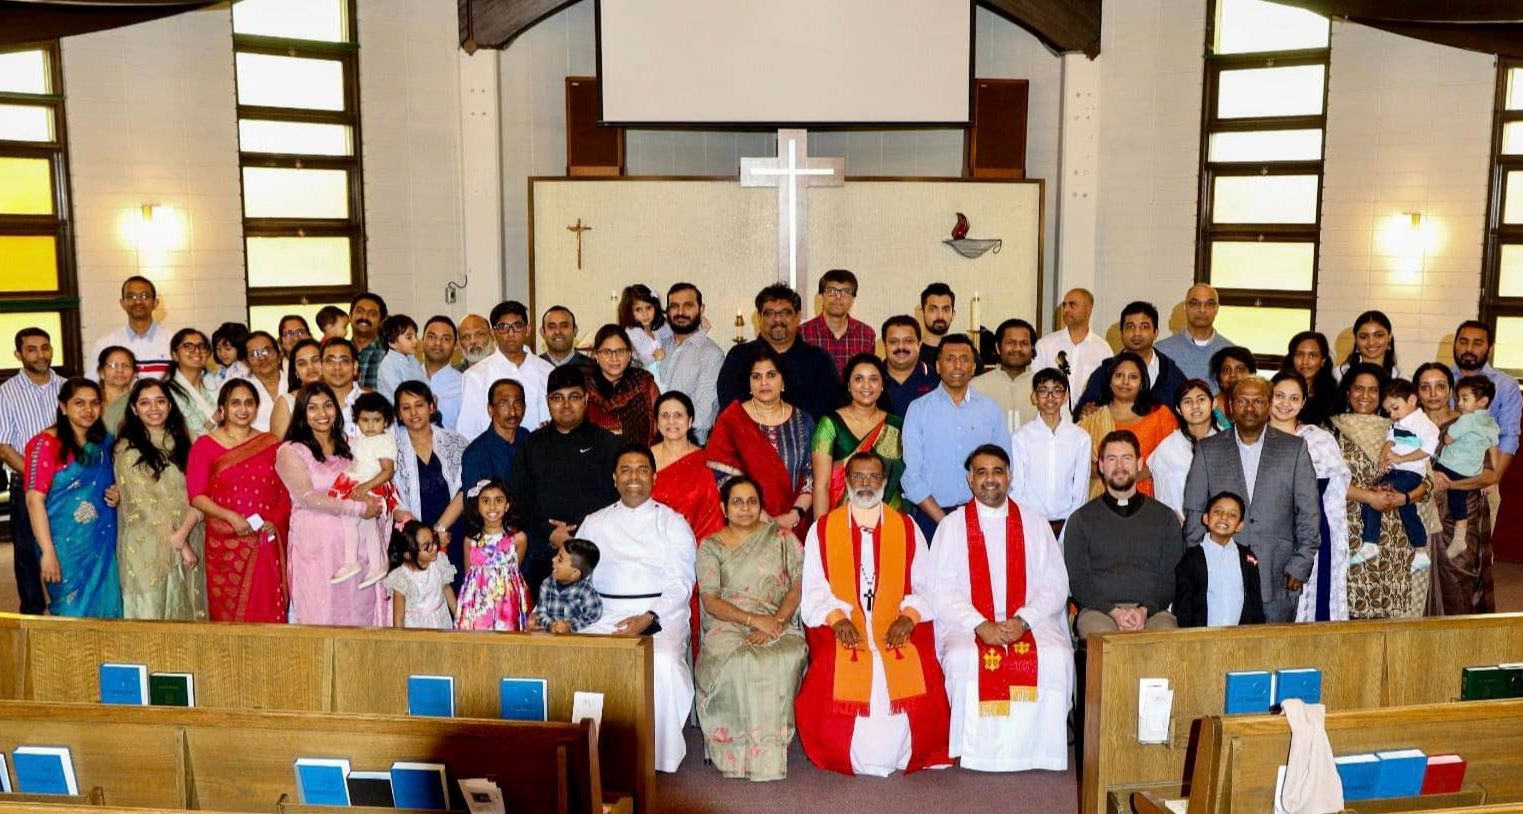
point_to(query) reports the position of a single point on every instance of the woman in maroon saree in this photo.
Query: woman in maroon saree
(684, 482)
(231, 478)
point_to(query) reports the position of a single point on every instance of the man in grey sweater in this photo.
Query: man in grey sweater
(1193, 347)
(1121, 549)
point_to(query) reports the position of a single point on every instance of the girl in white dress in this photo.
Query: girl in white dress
(1325, 595)
(1170, 461)
(419, 581)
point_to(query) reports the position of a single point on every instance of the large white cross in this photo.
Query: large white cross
(792, 171)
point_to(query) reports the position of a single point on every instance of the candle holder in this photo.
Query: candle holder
(740, 328)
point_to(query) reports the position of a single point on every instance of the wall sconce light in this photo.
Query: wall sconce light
(158, 228)
(1407, 238)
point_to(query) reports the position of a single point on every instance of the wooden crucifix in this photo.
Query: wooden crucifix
(792, 171)
(578, 228)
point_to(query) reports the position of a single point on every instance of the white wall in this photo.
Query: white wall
(1408, 130)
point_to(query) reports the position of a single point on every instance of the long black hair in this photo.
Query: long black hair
(404, 544)
(293, 382)
(1189, 386)
(136, 436)
(68, 445)
(885, 402)
(1388, 364)
(473, 521)
(1322, 400)
(300, 432)
(1146, 402)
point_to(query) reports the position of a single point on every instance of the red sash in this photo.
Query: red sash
(1006, 672)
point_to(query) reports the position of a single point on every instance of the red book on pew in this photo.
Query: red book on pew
(1445, 774)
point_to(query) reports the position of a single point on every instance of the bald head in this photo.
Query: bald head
(475, 338)
(1200, 310)
(1077, 305)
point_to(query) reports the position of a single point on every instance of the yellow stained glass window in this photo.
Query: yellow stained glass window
(1510, 276)
(26, 186)
(1263, 329)
(1508, 355)
(50, 321)
(277, 81)
(1512, 206)
(263, 136)
(292, 19)
(1276, 266)
(277, 262)
(267, 317)
(26, 123)
(25, 72)
(1254, 92)
(1249, 26)
(278, 192)
(1265, 199)
(1267, 145)
(29, 262)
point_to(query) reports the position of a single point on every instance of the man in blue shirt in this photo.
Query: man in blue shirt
(1193, 347)
(1472, 352)
(438, 345)
(941, 428)
(908, 377)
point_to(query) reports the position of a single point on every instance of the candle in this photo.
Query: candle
(740, 326)
(973, 312)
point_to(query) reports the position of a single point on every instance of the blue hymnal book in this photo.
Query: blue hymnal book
(5, 776)
(523, 699)
(1401, 773)
(1248, 691)
(431, 695)
(322, 781)
(1360, 775)
(44, 770)
(124, 684)
(1304, 683)
(419, 785)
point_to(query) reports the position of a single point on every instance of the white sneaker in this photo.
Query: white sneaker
(1363, 554)
(1420, 561)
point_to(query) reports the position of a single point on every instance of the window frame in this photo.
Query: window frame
(1208, 232)
(352, 227)
(1493, 305)
(64, 299)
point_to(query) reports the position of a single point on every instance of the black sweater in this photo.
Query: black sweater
(562, 476)
(1116, 558)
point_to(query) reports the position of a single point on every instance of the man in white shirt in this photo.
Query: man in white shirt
(148, 340)
(438, 346)
(1073, 348)
(1050, 456)
(1001, 627)
(645, 576)
(341, 370)
(511, 360)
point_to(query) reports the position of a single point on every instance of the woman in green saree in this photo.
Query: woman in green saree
(861, 424)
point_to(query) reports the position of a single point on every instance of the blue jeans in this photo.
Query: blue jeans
(1401, 481)
(1458, 498)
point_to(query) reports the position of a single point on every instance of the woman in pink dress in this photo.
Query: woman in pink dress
(310, 460)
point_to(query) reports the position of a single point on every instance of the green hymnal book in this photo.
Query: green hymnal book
(172, 689)
(1483, 683)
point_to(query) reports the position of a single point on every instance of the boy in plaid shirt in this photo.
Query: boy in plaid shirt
(567, 600)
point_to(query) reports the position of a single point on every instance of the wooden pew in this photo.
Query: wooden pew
(177, 758)
(1365, 665)
(351, 670)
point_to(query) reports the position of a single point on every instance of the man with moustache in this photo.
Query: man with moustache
(1121, 548)
(492, 454)
(1009, 385)
(1273, 471)
(693, 359)
(28, 405)
(1193, 347)
(1001, 614)
(908, 377)
(366, 313)
(438, 343)
(1472, 355)
(834, 329)
(1139, 327)
(873, 699)
(810, 380)
(147, 339)
(1073, 348)
(511, 360)
(558, 328)
(645, 576)
(937, 310)
(475, 341)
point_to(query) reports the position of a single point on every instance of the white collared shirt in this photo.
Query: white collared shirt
(533, 375)
(151, 349)
(1049, 469)
(1224, 583)
(1250, 454)
(1084, 358)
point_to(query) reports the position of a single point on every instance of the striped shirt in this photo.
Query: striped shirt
(151, 350)
(27, 408)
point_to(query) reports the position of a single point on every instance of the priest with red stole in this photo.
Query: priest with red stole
(1001, 600)
(873, 700)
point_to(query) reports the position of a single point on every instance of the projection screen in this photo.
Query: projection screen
(779, 62)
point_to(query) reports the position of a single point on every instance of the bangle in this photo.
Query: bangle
(748, 622)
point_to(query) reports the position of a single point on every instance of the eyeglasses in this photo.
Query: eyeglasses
(261, 353)
(612, 353)
(575, 397)
(337, 360)
(866, 478)
(195, 347)
(507, 404)
(1050, 392)
(139, 296)
(511, 327)
(836, 291)
(118, 366)
(781, 313)
(295, 333)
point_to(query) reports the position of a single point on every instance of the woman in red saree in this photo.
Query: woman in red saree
(684, 481)
(767, 440)
(231, 478)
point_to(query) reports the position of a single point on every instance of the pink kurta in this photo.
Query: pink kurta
(317, 545)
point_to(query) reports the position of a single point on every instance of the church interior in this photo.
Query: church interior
(1307, 162)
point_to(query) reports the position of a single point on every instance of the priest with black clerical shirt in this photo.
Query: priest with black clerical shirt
(810, 380)
(563, 472)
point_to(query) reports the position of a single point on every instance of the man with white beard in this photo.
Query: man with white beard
(867, 587)
(1001, 597)
(475, 339)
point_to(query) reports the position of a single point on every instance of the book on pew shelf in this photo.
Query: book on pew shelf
(482, 796)
(1446, 774)
(1248, 691)
(1401, 773)
(419, 785)
(44, 770)
(588, 705)
(1483, 683)
(1360, 775)
(5, 776)
(124, 684)
(370, 789)
(322, 781)
(431, 696)
(1514, 679)
(172, 689)
(522, 699)
(1304, 683)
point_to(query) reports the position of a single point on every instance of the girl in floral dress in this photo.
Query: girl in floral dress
(494, 596)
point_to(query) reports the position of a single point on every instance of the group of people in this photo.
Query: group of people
(896, 555)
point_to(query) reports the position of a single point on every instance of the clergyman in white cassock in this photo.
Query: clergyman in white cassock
(1001, 598)
(645, 575)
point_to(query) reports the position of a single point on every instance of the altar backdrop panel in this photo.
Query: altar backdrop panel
(723, 238)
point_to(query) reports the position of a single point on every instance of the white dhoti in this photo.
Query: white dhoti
(646, 557)
(1034, 735)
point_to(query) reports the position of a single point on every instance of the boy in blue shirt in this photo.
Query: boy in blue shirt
(1466, 444)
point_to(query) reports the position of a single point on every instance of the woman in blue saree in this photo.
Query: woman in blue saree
(71, 496)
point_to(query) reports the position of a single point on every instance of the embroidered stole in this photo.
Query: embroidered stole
(892, 557)
(1005, 672)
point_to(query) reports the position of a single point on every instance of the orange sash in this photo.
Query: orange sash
(892, 556)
